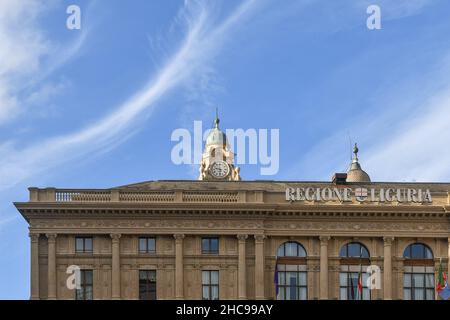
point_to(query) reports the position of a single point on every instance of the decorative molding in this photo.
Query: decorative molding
(51, 237)
(388, 241)
(179, 236)
(259, 237)
(242, 237)
(34, 237)
(324, 240)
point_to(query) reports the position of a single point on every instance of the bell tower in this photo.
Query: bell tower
(217, 162)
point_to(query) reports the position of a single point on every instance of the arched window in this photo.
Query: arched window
(290, 272)
(418, 272)
(354, 259)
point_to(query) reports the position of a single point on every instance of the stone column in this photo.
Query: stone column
(387, 266)
(179, 268)
(323, 267)
(115, 269)
(34, 294)
(51, 288)
(259, 267)
(242, 277)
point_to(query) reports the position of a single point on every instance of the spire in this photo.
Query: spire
(217, 120)
(355, 154)
(355, 173)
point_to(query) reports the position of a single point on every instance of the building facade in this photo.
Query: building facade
(223, 238)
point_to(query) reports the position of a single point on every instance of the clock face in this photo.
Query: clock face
(220, 169)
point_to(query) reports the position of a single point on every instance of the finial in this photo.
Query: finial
(216, 121)
(355, 153)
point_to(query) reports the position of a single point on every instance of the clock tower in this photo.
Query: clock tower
(217, 159)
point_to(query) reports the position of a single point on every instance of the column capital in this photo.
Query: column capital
(179, 236)
(51, 237)
(324, 240)
(242, 237)
(34, 236)
(115, 236)
(259, 237)
(388, 241)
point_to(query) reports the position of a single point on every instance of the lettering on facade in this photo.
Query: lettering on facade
(402, 195)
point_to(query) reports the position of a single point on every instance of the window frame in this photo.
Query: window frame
(209, 285)
(421, 266)
(83, 239)
(81, 294)
(208, 250)
(147, 240)
(148, 293)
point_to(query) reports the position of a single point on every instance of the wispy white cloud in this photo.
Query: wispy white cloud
(204, 37)
(27, 55)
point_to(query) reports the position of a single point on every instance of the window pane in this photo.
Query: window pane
(291, 249)
(418, 280)
(429, 280)
(280, 252)
(343, 293)
(419, 294)
(281, 278)
(417, 251)
(303, 294)
(430, 294)
(354, 250)
(428, 254)
(205, 245)
(302, 278)
(88, 244)
(215, 292)
(343, 279)
(205, 293)
(88, 277)
(142, 245)
(407, 294)
(214, 245)
(407, 280)
(214, 277)
(88, 293)
(366, 294)
(151, 245)
(205, 277)
(79, 245)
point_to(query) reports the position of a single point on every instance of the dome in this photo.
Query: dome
(216, 136)
(355, 173)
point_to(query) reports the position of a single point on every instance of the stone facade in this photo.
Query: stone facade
(251, 220)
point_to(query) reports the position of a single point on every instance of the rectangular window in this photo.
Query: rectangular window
(85, 292)
(418, 284)
(349, 286)
(83, 245)
(292, 282)
(147, 245)
(147, 284)
(210, 285)
(210, 245)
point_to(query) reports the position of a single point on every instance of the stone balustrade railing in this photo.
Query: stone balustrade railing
(117, 195)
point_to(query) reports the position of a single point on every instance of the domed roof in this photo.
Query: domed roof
(216, 136)
(355, 173)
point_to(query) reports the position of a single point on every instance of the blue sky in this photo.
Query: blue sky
(95, 108)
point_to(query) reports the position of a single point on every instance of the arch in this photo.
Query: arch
(419, 251)
(291, 249)
(354, 250)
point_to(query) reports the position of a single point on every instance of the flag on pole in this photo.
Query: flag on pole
(360, 285)
(442, 287)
